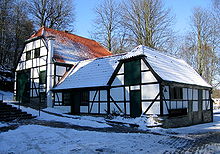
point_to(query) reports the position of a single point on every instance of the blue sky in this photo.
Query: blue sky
(182, 9)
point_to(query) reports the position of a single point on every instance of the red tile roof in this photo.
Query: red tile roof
(67, 43)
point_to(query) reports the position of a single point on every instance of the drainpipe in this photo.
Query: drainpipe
(50, 72)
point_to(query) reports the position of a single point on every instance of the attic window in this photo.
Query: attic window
(28, 55)
(176, 93)
(37, 53)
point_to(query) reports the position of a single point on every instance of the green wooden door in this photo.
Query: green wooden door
(135, 103)
(23, 86)
(75, 102)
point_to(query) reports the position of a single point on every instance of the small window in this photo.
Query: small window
(42, 77)
(85, 98)
(37, 53)
(176, 93)
(66, 98)
(28, 55)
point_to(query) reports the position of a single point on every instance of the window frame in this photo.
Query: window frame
(36, 52)
(176, 93)
(28, 55)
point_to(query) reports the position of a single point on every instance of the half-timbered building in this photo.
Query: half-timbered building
(143, 81)
(46, 57)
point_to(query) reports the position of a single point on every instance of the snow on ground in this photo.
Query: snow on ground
(7, 96)
(3, 124)
(90, 121)
(36, 138)
(41, 139)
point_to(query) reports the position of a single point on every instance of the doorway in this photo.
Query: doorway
(135, 103)
(23, 86)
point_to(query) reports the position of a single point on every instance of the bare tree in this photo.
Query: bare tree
(57, 14)
(107, 28)
(201, 43)
(148, 22)
(15, 28)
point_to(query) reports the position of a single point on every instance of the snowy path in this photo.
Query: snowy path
(86, 134)
(39, 136)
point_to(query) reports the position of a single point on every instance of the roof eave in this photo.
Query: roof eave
(185, 84)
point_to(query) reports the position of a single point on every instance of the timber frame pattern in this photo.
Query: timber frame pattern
(34, 60)
(155, 94)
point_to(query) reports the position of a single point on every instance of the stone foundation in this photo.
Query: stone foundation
(187, 120)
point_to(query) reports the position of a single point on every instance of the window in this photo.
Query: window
(42, 77)
(37, 53)
(66, 98)
(85, 98)
(176, 93)
(28, 55)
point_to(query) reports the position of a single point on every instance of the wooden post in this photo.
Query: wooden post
(108, 101)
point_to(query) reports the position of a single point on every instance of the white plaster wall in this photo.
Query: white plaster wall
(43, 51)
(83, 109)
(203, 105)
(117, 94)
(128, 108)
(29, 46)
(150, 91)
(143, 66)
(103, 95)
(37, 43)
(94, 107)
(64, 109)
(207, 94)
(203, 94)
(166, 92)
(103, 108)
(121, 70)
(195, 106)
(190, 94)
(195, 94)
(208, 104)
(114, 108)
(58, 95)
(179, 105)
(127, 94)
(165, 111)
(92, 94)
(28, 64)
(173, 105)
(60, 70)
(119, 80)
(185, 104)
(35, 72)
(185, 93)
(147, 77)
(136, 87)
(43, 61)
(155, 108)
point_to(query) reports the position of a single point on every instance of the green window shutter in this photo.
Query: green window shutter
(42, 77)
(132, 73)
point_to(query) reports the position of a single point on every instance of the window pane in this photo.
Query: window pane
(42, 77)
(28, 55)
(37, 53)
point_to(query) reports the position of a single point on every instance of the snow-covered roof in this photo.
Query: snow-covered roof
(90, 73)
(170, 68)
(70, 48)
(97, 72)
